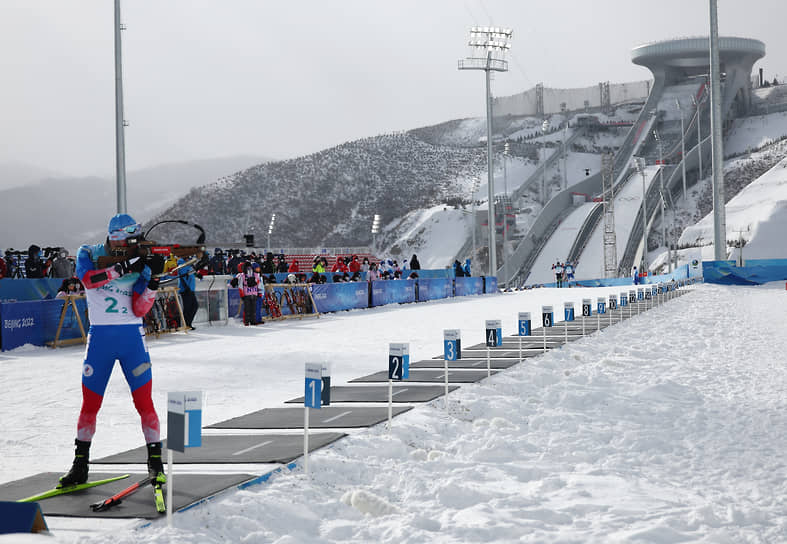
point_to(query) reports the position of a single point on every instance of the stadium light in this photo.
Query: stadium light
(270, 230)
(375, 229)
(488, 48)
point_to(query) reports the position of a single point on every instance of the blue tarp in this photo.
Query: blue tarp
(754, 272)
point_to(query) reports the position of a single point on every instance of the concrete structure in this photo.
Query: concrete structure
(673, 61)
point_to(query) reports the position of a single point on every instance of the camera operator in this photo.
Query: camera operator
(62, 266)
(35, 267)
(3, 270)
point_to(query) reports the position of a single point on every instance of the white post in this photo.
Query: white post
(306, 440)
(488, 363)
(390, 404)
(170, 464)
(717, 145)
(120, 144)
(445, 364)
(543, 328)
(490, 165)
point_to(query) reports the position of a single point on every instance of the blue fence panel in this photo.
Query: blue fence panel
(332, 297)
(392, 291)
(490, 284)
(754, 272)
(468, 286)
(18, 290)
(22, 324)
(433, 289)
(50, 317)
(434, 273)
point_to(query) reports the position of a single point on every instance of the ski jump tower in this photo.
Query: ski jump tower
(673, 61)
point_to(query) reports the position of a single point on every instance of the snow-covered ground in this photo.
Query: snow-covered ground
(666, 428)
(754, 132)
(758, 214)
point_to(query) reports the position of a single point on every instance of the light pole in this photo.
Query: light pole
(120, 123)
(717, 145)
(661, 186)
(506, 149)
(565, 155)
(375, 230)
(270, 230)
(476, 184)
(682, 146)
(544, 129)
(698, 104)
(489, 45)
(640, 162)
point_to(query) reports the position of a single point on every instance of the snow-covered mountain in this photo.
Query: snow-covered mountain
(82, 206)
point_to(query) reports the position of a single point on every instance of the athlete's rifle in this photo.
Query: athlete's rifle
(155, 253)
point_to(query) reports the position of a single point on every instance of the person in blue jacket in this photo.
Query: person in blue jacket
(186, 286)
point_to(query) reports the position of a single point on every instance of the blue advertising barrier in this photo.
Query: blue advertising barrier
(435, 273)
(18, 290)
(392, 291)
(490, 284)
(754, 272)
(468, 286)
(332, 297)
(35, 322)
(433, 289)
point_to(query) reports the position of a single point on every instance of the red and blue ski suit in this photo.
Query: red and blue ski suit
(116, 304)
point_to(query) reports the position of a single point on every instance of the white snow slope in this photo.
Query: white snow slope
(665, 428)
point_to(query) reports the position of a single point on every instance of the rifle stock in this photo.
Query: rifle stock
(147, 249)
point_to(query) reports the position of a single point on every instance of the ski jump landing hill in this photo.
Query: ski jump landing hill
(680, 69)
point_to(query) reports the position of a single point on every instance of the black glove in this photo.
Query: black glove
(153, 284)
(234, 282)
(156, 264)
(132, 265)
(250, 281)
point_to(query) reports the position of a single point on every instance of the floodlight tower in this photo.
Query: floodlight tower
(270, 230)
(488, 48)
(375, 230)
(661, 185)
(476, 184)
(544, 130)
(682, 146)
(506, 149)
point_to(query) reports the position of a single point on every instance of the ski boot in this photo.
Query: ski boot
(78, 472)
(155, 466)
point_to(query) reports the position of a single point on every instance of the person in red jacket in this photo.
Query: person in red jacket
(355, 266)
(339, 266)
(294, 268)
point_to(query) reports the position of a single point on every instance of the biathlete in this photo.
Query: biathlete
(117, 299)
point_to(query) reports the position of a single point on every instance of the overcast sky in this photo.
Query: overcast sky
(210, 78)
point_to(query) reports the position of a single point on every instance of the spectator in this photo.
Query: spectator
(636, 276)
(395, 268)
(354, 266)
(373, 273)
(62, 266)
(414, 264)
(70, 286)
(291, 278)
(413, 275)
(318, 267)
(356, 276)
(186, 287)
(282, 266)
(294, 268)
(458, 270)
(170, 263)
(34, 266)
(234, 262)
(268, 266)
(3, 269)
(218, 265)
(247, 281)
(10, 263)
(466, 268)
(339, 266)
(365, 264)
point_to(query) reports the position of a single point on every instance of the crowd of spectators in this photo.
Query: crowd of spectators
(49, 262)
(338, 268)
